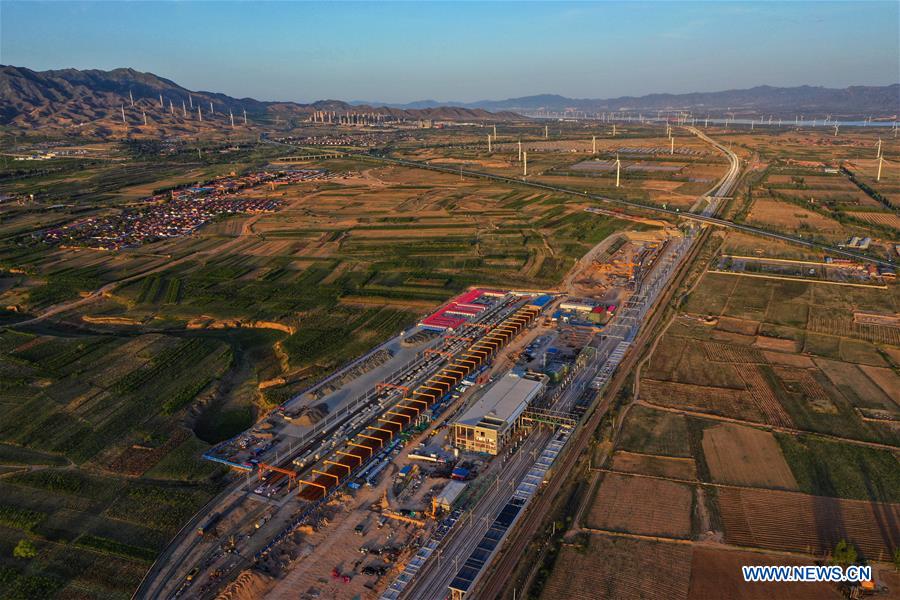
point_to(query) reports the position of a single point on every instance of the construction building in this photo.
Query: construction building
(447, 497)
(489, 423)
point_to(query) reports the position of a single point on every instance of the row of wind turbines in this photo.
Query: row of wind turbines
(184, 109)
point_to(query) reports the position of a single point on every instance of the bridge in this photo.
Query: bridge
(550, 417)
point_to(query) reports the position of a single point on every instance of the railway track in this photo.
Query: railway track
(496, 579)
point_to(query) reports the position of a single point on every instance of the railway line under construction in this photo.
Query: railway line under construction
(351, 449)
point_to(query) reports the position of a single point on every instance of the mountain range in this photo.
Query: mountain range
(94, 99)
(851, 101)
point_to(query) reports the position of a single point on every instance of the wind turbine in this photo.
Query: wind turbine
(618, 168)
(880, 163)
(520, 150)
(489, 143)
(594, 144)
(123, 115)
(525, 164)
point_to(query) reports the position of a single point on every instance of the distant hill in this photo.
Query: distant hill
(860, 101)
(72, 98)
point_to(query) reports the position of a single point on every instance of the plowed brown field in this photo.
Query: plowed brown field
(642, 505)
(804, 523)
(621, 568)
(746, 456)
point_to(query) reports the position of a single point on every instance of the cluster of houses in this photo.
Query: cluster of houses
(179, 212)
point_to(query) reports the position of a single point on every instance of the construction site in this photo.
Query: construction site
(348, 488)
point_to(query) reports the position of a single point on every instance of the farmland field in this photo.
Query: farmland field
(641, 505)
(662, 466)
(87, 416)
(612, 567)
(773, 402)
(745, 456)
(808, 524)
(651, 431)
(717, 574)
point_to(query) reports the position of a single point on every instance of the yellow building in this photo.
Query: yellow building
(489, 423)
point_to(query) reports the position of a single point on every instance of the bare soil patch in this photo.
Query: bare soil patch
(717, 574)
(662, 466)
(810, 524)
(741, 326)
(781, 345)
(642, 505)
(746, 456)
(621, 568)
(790, 360)
(886, 379)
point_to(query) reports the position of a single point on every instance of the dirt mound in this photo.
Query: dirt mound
(249, 585)
(310, 415)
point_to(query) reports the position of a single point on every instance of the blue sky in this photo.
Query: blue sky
(398, 52)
